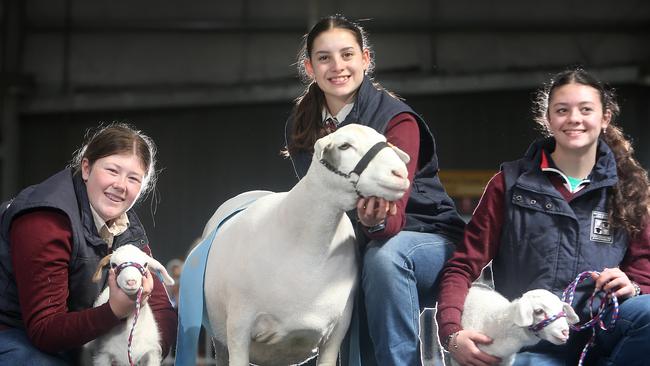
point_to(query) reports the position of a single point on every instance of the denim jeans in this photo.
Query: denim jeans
(16, 349)
(627, 343)
(399, 278)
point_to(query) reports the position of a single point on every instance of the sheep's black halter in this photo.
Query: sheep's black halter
(361, 165)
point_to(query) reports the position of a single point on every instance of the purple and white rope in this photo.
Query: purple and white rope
(597, 319)
(138, 303)
(535, 328)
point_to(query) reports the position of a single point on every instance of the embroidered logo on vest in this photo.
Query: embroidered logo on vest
(600, 228)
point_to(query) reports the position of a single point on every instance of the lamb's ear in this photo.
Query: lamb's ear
(162, 272)
(98, 272)
(523, 316)
(571, 316)
(402, 155)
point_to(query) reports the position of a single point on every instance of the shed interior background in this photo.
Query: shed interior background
(213, 83)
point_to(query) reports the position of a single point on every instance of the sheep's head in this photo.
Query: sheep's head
(385, 175)
(131, 263)
(535, 310)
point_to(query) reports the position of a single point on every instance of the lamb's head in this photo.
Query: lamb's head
(385, 174)
(130, 264)
(544, 314)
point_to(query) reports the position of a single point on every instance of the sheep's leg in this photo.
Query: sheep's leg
(151, 359)
(329, 351)
(102, 359)
(238, 350)
(220, 353)
(238, 330)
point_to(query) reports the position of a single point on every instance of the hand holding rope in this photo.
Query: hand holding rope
(606, 298)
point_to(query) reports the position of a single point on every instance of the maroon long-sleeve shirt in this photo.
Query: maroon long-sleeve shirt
(41, 248)
(481, 243)
(403, 132)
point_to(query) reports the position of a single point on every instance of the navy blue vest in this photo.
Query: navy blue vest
(429, 208)
(64, 192)
(546, 241)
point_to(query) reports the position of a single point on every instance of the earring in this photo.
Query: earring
(604, 130)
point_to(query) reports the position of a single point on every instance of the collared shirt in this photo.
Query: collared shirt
(572, 184)
(343, 113)
(109, 231)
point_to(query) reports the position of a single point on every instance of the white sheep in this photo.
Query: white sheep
(507, 323)
(112, 347)
(280, 277)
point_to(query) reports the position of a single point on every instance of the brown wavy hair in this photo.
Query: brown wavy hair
(629, 200)
(306, 114)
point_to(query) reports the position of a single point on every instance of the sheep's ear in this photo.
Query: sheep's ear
(523, 316)
(402, 155)
(98, 272)
(571, 316)
(162, 272)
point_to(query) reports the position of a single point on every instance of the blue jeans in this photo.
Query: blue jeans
(16, 349)
(627, 343)
(399, 278)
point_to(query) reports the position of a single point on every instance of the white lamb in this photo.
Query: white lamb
(280, 276)
(507, 323)
(112, 348)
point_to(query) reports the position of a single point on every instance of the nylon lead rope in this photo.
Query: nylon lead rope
(535, 328)
(138, 301)
(596, 320)
(138, 304)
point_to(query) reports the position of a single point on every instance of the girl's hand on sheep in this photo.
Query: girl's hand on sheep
(122, 304)
(147, 286)
(615, 281)
(372, 211)
(465, 351)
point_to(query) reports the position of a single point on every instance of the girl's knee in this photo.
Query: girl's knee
(637, 310)
(378, 260)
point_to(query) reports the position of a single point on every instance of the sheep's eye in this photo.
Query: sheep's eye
(145, 265)
(344, 146)
(539, 311)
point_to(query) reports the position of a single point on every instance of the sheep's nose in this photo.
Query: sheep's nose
(565, 332)
(130, 282)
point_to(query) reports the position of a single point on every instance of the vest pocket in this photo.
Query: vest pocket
(531, 230)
